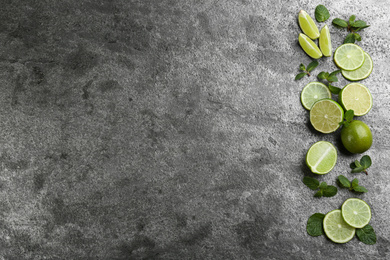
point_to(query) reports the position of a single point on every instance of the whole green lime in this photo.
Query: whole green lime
(356, 137)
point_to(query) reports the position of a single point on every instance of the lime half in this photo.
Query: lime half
(321, 157)
(356, 212)
(349, 56)
(357, 97)
(307, 25)
(325, 42)
(336, 229)
(361, 73)
(309, 46)
(313, 92)
(325, 115)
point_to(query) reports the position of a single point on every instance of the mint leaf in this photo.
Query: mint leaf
(334, 90)
(360, 189)
(357, 37)
(318, 194)
(321, 13)
(350, 38)
(353, 165)
(302, 67)
(311, 182)
(333, 78)
(323, 75)
(300, 75)
(352, 19)
(312, 65)
(358, 169)
(349, 116)
(344, 182)
(361, 28)
(359, 24)
(330, 191)
(323, 185)
(314, 225)
(355, 183)
(340, 23)
(366, 235)
(365, 161)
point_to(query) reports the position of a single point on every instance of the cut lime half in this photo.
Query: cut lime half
(307, 25)
(357, 97)
(309, 46)
(356, 212)
(325, 42)
(349, 56)
(325, 115)
(313, 92)
(361, 73)
(321, 157)
(336, 229)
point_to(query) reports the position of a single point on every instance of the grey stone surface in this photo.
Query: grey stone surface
(173, 130)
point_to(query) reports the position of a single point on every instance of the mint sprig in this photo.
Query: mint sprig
(323, 188)
(306, 71)
(330, 78)
(366, 235)
(352, 186)
(321, 13)
(362, 165)
(348, 117)
(314, 225)
(352, 27)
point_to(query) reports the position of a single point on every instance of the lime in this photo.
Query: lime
(321, 157)
(309, 46)
(357, 97)
(325, 42)
(349, 56)
(307, 25)
(361, 73)
(336, 229)
(356, 137)
(356, 212)
(325, 115)
(313, 92)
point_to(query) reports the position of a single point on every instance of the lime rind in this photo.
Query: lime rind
(336, 229)
(309, 46)
(325, 42)
(321, 157)
(313, 92)
(325, 115)
(307, 25)
(357, 97)
(356, 212)
(361, 73)
(349, 56)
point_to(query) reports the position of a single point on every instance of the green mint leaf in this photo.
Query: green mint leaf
(353, 165)
(335, 72)
(314, 225)
(340, 23)
(360, 189)
(350, 38)
(318, 194)
(348, 116)
(366, 235)
(321, 13)
(344, 182)
(352, 19)
(300, 75)
(312, 65)
(330, 191)
(333, 78)
(365, 161)
(355, 183)
(323, 185)
(357, 37)
(334, 90)
(302, 67)
(311, 182)
(361, 28)
(322, 75)
(358, 169)
(359, 24)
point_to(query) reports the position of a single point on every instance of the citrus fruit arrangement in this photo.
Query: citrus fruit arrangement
(328, 115)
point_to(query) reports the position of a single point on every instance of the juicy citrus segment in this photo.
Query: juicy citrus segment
(325, 116)
(361, 73)
(349, 56)
(325, 42)
(356, 212)
(309, 46)
(336, 229)
(307, 25)
(357, 97)
(321, 157)
(313, 92)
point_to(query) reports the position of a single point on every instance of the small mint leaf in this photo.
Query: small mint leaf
(318, 194)
(314, 224)
(333, 78)
(334, 90)
(359, 24)
(321, 13)
(312, 65)
(302, 67)
(300, 75)
(322, 75)
(311, 182)
(323, 185)
(348, 116)
(361, 28)
(357, 37)
(352, 19)
(355, 183)
(365, 161)
(330, 191)
(357, 163)
(344, 182)
(339, 23)
(366, 235)
(353, 165)
(350, 38)
(360, 189)
(358, 169)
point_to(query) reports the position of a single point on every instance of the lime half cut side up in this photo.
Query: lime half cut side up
(361, 73)
(321, 157)
(325, 42)
(325, 115)
(356, 212)
(336, 229)
(313, 92)
(349, 56)
(307, 25)
(357, 97)
(309, 46)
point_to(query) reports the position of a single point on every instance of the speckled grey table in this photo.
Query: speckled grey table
(173, 130)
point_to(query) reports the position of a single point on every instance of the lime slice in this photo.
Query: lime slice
(309, 46)
(356, 212)
(349, 56)
(361, 73)
(357, 97)
(313, 92)
(321, 157)
(307, 25)
(336, 229)
(325, 116)
(325, 42)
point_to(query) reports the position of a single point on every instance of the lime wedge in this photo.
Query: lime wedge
(307, 25)
(321, 157)
(361, 73)
(336, 229)
(356, 212)
(357, 97)
(325, 42)
(349, 56)
(325, 115)
(313, 92)
(309, 46)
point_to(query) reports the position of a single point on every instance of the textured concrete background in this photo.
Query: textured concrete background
(173, 130)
